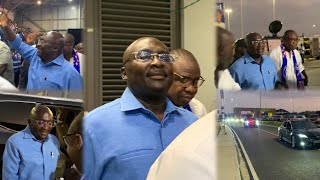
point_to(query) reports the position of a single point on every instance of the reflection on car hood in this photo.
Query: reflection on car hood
(315, 131)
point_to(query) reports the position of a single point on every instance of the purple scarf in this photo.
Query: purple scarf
(76, 62)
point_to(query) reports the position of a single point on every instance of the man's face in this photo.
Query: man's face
(256, 46)
(68, 45)
(178, 93)
(74, 146)
(151, 76)
(291, 41)
(41, 125)
(45, 46)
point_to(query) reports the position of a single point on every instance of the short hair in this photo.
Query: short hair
(76, 124)
(286, 34)
(68, 35)
(222, 36)
(185, 53)
(241, 43)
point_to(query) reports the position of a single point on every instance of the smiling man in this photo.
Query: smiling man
(32, 153)
(48, 71)
(186, 81)
(289, 63)
(124, 137)
(254, 71)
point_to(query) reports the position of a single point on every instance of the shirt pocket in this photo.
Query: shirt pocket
(53, 82)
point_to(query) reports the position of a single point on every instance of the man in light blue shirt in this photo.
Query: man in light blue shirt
(124, 137)
(32, 153)
(49, 72)
(254, 71)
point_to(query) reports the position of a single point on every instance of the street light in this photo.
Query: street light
(313, 30)
(241, 15)
(228, 11)
(291, 100)
(274, 9)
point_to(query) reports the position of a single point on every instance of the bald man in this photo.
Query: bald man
(186, 81)
(48, 72)
(75, 58)
(74, 142)
(32, 153)
(254, 71)
(124, 137)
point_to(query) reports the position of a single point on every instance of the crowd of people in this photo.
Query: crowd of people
(281, 69)
(40, 63)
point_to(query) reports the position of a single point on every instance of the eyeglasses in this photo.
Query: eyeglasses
(186, 81)
(41, 123)
(69, 138)
(259, 42)
(147, 56)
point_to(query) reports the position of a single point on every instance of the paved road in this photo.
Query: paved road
(313, 71)
(272, 159)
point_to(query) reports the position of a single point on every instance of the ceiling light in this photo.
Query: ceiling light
(38, 2)
(70, 0)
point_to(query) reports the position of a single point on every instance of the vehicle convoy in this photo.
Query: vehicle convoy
(299, 133)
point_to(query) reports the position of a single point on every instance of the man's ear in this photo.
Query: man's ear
(220, 50)
(123, 73)
(79, 145)
(56, 48)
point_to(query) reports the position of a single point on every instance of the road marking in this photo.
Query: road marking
(253, 172)
(268, 132)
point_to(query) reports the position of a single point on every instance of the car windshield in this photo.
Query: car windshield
(303, 125)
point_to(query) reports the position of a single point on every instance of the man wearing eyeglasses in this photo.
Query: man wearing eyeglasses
(186, 81)
(289, 63)
(254, 71)
(74, 143)
(124, 137)
(32, 153)
(49, 71)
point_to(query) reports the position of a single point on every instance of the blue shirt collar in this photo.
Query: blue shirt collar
(28, 134)
(58, 60)
(249, 59)
(130, 102)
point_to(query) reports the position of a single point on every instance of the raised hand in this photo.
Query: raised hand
(3, 18)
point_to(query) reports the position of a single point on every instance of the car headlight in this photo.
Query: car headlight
(302, 136)
(257, 122)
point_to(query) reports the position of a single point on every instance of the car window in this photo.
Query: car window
(303, 125)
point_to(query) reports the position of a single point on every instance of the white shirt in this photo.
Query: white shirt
(226, 82)
(291, 78)
(81, 61)
(7, 86)
(197, 108)
(191, 155)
